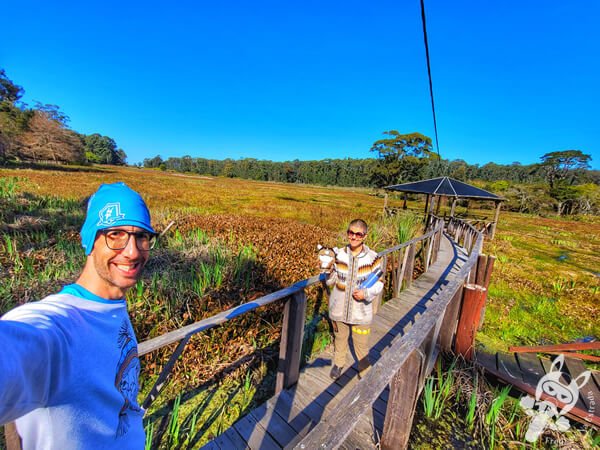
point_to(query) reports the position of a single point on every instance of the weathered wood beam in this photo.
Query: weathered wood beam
(401, 404)
(290, 348)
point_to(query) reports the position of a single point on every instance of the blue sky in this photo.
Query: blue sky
(282, 80)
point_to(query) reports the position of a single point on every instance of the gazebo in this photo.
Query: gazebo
(436, 188)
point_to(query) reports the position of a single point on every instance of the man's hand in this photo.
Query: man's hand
(359, 294)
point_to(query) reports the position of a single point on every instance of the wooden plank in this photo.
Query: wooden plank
(575, 413)
(596, 377)
(255, 435)
(508, 366)
(284, 406)
(273, 424)
(230, 438)
(576, 355)
(450, 321)
(306, 403)
(558, 347)
(487, 360)
(210, 445)
(564, 379)
(531, 368)
(367, 432)
(401, 405)
(290, 348)
(589, 394)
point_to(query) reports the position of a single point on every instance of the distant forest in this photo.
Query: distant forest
(40, 133)
(561, 183)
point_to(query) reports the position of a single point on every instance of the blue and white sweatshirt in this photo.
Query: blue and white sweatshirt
(69, 373)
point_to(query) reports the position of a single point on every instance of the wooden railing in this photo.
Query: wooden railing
(424, 247)
(406, 364)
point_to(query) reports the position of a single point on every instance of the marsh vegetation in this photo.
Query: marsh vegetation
(236, 240)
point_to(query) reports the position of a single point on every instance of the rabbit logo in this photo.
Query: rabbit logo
(548, 413)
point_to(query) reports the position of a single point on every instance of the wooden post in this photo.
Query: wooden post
(426, 246)
(427, 208)
(484, 274)
(431, 349)
(165, 373)
(401, 271)
(405, 198)
(480, 274)
(495, 223)
(397, 284)
(290, 347)
(473, 301)
(453, 206)
(385, 203)
(450, 321)
(401, 404)
(377, 300)
(410, 265)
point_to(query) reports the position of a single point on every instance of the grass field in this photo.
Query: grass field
(234, 240)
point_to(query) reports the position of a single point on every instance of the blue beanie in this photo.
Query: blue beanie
(113, 205)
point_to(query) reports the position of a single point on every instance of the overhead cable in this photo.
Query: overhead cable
(437, 143)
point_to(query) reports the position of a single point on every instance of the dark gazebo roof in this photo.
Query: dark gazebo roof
(445, 186)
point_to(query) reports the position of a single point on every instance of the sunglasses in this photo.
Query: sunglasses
(356, 233)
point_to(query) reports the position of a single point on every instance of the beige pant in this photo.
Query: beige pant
(360, 340)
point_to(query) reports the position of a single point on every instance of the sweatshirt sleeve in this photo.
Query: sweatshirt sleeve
(374, 291)
(30, 366)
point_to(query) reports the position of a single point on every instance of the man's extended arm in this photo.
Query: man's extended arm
(29, 358)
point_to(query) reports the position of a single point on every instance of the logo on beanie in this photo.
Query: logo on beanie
(110, 214)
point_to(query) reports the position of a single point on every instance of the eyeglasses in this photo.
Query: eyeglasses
(118, 239)
(356, 233)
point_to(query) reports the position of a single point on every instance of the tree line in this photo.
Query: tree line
(40, 133)
(561, 182)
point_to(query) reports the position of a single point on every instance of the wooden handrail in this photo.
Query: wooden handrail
(287, 373)
(163, 340)
(336, 426)
(205, 324)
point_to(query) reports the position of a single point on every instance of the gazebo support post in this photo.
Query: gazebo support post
(453, 206)
(385, 203)
(495, 222)
(426, 207)
(437, 207)
(405, 198)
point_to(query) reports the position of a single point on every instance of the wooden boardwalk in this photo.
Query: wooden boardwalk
(288, 416)
(524, 371)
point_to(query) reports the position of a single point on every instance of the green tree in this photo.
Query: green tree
(153, 163)
(402, 157)
(564, 166)
(13, 118)
(103, 150)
